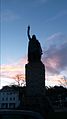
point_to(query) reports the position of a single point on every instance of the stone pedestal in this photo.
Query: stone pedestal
(35, 86)
(35, 79)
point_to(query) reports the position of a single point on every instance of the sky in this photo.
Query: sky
(48, 21)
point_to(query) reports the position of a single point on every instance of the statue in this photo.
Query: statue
(34, 48)
(35, 78)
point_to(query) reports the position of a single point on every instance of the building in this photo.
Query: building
(9, 98)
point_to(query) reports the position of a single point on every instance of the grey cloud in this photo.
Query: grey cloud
(55, 59)
(55, 40)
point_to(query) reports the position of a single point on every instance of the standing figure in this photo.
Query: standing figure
(34, 48)
(35, 78)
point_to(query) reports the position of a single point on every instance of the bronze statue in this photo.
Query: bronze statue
(34, 48)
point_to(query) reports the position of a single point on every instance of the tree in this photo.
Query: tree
(19, 78)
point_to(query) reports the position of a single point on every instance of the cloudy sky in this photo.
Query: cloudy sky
(48, 21)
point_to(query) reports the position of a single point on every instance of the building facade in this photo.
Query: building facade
(9, 98)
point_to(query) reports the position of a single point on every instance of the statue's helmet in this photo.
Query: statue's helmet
(33, 37)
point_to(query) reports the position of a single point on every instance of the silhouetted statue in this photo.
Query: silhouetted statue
(34, 48)
(35, 78)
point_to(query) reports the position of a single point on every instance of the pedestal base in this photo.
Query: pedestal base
(35, 79)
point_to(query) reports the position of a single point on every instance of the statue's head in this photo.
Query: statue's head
(34, 37)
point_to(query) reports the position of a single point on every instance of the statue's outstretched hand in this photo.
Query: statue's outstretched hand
(28, 28)
(28, 33)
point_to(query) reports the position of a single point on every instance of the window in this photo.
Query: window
(3, 93)
(6, 98)
(10, 98)
(4, 105)
(10, 93)
(11, 105)
(14, 98)
(3, 99)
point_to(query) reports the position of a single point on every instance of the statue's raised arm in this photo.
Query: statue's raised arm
(28, 33)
